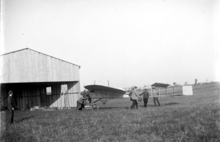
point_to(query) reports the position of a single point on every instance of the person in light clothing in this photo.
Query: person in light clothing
(81, 101)
(134, 98)
(155, 96)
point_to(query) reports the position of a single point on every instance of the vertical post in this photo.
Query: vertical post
(68, 98)
(60, 105)
(94, 82)
(159, 91)
(174, 86)
(165, 91)
(29, 99)
(151, 91)
(108, 83)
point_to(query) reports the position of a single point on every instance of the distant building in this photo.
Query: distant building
(38, 79)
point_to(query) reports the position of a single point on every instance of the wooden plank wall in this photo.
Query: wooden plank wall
(31, 66)
(3, 96)
(24, 98)
(74, 93)
(67, 96)
(63, 95)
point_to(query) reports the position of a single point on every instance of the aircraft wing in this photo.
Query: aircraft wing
(99, 91)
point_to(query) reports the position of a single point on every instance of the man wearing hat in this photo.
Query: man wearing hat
(11, 106)
(155, 96)
(145, 96)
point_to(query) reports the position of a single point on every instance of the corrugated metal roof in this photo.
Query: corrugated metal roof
(39, 53)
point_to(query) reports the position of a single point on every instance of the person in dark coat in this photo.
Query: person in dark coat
(11, 106)
(145, 96)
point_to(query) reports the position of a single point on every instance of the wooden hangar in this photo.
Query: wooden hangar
(38, 79)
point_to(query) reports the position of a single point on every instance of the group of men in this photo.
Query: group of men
(135, 97)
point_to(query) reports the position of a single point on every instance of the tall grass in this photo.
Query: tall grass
(183, 118)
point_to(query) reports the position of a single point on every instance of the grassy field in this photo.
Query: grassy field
(181, 118)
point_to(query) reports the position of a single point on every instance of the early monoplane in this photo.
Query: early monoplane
(103, 94)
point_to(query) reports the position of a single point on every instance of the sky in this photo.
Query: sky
(123, 42)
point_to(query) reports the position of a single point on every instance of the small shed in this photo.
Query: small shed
(160, 85)
(38, 79)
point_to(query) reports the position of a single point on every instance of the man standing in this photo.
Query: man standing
(11, 106)
(145, 96)
(155, 96)
(134, 98)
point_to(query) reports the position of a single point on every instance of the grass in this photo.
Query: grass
(184, 118)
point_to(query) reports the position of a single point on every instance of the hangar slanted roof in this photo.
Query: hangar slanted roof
(40, 53)
(28, 65)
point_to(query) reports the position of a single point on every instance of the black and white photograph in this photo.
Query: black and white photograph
(110, 71)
